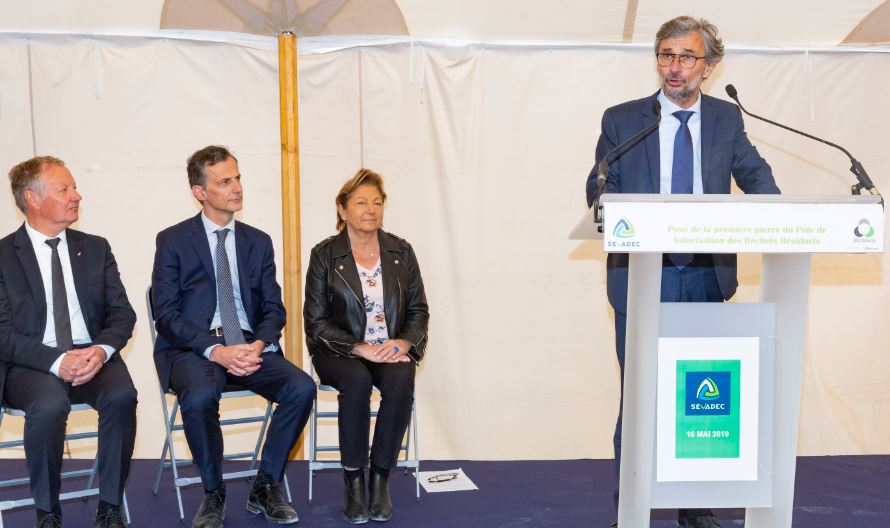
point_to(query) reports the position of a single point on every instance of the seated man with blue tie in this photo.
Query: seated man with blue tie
(64, 316)
(700, 143)
(219, 318)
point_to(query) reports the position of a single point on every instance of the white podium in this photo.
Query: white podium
(750, 464)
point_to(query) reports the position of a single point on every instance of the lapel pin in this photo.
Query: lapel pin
(397, 261)
(79, 253)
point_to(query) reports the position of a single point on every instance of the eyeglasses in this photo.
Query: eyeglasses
(686, 61)
(442, 477)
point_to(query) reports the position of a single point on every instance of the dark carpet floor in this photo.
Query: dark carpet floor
(832, 492)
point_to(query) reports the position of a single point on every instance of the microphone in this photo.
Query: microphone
(603, 166)
(856, 168)
(602, 171)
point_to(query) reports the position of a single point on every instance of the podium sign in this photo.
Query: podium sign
(760, 224)
(707, 408)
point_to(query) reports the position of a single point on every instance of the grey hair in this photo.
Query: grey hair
(685, 24)
(26, 177)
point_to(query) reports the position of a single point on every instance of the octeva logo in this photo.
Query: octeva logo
(864, 229)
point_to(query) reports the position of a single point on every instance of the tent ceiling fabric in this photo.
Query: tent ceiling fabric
(789, 23)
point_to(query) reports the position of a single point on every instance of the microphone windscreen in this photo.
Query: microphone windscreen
(731, 91)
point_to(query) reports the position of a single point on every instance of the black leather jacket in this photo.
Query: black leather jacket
(334, 315)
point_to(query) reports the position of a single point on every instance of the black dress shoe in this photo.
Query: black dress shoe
(355, 502)
(52, 520)
(212, 512)
(110, 518)
(380, 508)
(265, 497)
(698, 521)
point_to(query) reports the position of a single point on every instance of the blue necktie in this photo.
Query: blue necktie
(681, 174)
(228, 315)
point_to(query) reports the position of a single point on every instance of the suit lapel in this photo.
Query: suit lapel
(78, 270)
(28, 260)
(202, 247)
(708, 124)
(243, 248)
(653, 146)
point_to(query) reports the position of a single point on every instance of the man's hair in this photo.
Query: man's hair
(686, 24)
(362, 177)
(198, 161)
(26, 177)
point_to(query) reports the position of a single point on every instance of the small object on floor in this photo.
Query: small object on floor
(446, 480)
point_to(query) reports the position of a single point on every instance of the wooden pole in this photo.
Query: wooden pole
(290, 203)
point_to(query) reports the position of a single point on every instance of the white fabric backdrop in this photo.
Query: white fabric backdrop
(485, 150)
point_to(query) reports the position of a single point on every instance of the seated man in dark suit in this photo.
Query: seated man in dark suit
(219, 317)
(699, 144)
(64, 316)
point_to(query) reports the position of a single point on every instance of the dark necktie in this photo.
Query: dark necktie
(681, 174)
(61, 317)
(232, 333)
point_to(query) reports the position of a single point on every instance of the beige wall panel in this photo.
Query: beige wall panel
(485, 150)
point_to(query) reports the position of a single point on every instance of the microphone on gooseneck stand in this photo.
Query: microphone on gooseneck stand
(864, 182)
(602, 170)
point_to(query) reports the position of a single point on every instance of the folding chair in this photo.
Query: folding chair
(89, 491)
(171, 426)
(314, 448)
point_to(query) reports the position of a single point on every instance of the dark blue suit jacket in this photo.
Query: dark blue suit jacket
(183, 286)
(725, 151)
(23, 315)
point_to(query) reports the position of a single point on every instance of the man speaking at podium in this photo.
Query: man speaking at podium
(699, 143)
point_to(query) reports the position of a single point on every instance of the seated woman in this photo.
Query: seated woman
(366, 325)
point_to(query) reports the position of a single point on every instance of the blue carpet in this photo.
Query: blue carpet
(832, 492)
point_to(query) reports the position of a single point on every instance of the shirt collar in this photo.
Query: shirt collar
(38, 239)
(668, 107)
(211, 228)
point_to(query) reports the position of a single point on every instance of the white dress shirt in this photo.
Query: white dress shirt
(667, 131)
(211, 228)
(79, 333)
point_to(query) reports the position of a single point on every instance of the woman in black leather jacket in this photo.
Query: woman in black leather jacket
(366, 322)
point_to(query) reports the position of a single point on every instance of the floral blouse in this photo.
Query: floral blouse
(372, 289)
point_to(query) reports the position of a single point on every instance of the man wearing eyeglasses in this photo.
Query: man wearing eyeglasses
(700, 143)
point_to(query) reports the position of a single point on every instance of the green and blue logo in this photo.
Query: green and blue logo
(864, 229)
(624, 229)
(707, 393)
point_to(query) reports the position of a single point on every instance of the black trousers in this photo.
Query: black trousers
(199, 383)
(691, 284)
(46, 401)
(353, 379)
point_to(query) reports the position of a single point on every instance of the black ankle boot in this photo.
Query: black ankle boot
(355, 502)
(381, 505)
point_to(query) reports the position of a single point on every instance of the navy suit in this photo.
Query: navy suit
(26, 382)
(184, 302)
(725, 152)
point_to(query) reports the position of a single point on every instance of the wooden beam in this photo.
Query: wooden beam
(290, 204)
